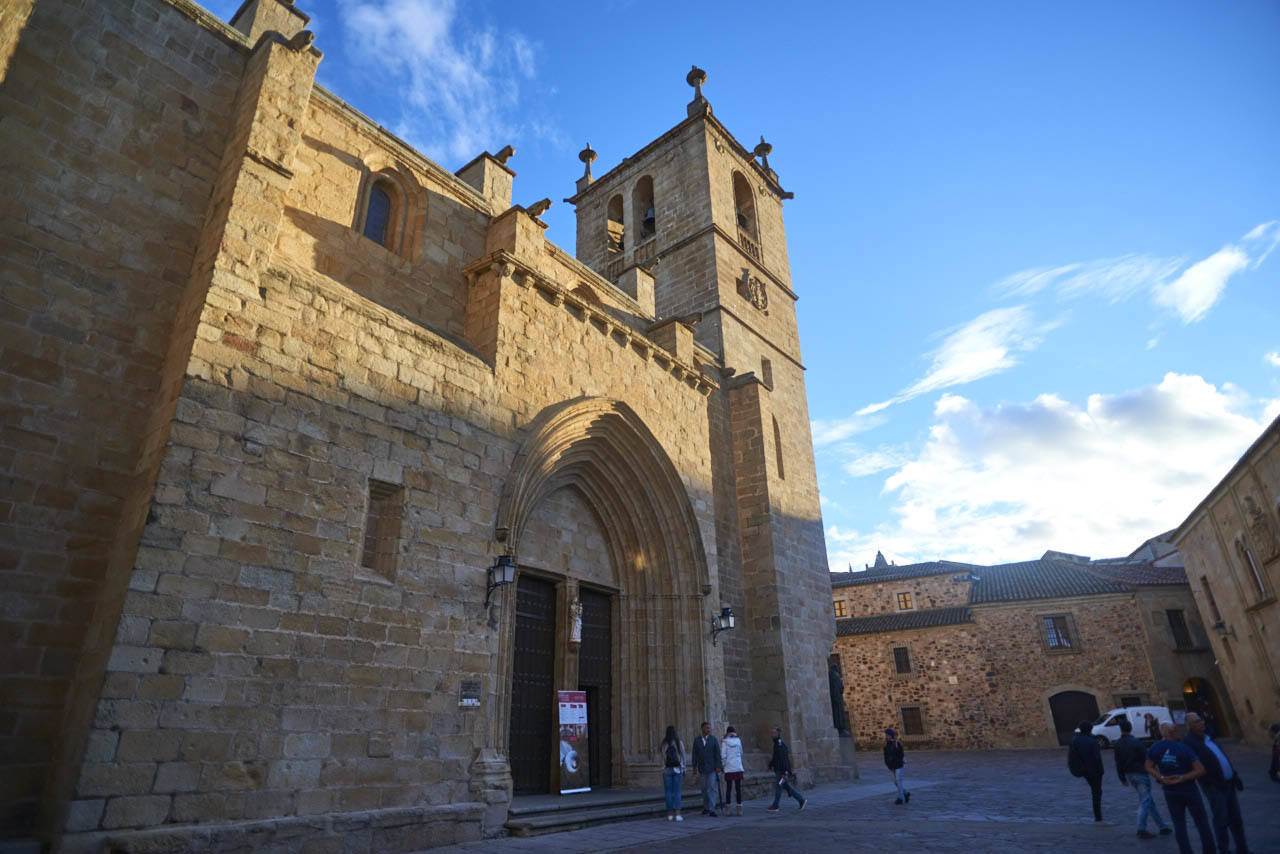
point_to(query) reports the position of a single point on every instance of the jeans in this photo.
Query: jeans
(710, 789)
(897, 779)
(672, 779)
(1181, 803)
(1224, 804)
(784, 785)
(1095, 789)
(1141, 784)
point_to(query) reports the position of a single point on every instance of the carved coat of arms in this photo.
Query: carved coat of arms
(1263, 535)
(752, 289)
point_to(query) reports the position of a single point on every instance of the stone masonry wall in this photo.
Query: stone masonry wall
(1248, 647)
(1003, 677)
(114, 118)
(930, 591)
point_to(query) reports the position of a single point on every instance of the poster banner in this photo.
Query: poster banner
(573, 742)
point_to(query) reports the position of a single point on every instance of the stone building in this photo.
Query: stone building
(1232, 553)
(281, 394)
(965, 656)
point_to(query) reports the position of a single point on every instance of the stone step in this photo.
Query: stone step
(559, 820)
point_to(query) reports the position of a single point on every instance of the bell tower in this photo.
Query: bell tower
(697, 217)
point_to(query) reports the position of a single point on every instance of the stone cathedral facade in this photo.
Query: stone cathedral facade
(278, 393)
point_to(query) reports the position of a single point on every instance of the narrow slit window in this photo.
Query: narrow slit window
(1260, 586)
(382, 528)
(377, 218)
(766, 373)
(1213, 603)
(777, 448)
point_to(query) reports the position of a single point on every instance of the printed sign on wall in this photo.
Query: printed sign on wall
(573, 742)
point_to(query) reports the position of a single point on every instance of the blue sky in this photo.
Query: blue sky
(1033, 242)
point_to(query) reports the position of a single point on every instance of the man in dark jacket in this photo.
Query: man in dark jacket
(893, 760)
(706, 761)
(1219, 785)
(780, 765)
(1131, 765)
(1084, 759)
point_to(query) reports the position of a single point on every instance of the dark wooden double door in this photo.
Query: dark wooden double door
(533, 739)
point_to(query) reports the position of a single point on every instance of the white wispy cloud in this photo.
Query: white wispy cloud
(860, 462)
(1272, 358)
(460, 85)
(1189, 290)
(1010, 481)
(986, 345)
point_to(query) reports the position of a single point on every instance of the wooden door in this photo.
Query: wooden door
(595, 676)
(532, 680)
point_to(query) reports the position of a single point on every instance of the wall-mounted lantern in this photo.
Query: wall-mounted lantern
(502, 572)
(1221, 628)
(721, 622)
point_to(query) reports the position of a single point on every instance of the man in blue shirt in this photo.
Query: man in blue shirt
(1219, 784)
(1175, 767)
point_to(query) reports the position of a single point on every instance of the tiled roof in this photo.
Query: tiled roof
(897, 621)
(894, 573)
(1038, 579)
(1143, 572)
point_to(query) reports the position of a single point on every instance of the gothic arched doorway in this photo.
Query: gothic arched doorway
(1069, 708)
(647, 617)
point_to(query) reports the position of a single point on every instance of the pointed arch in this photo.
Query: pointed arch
(603, 450)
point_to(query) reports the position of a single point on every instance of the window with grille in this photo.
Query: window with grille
(1057, 633)
(1178, 625)
(382, 528)
(840, 609)
(912, 720)
(904, 602)
(901, 660)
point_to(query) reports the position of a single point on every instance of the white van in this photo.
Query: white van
(1107, 727)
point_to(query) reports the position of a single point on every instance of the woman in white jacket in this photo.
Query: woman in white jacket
(731, 760)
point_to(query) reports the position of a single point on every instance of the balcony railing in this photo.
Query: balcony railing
(748, 245)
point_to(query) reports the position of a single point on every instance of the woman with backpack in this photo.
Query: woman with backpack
(672, 755)
(731, 759)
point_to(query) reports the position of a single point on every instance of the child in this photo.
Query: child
(893, 761)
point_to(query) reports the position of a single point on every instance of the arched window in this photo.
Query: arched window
(744, 206)
(642, 208)
(377, 218)
(614, 226)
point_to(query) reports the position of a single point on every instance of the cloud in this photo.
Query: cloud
(1272, 358)
(1193, 293)
(828, 431)
(984, 346)
(860, 463)
(1187, 290)
(1008, 482)
(459, 85)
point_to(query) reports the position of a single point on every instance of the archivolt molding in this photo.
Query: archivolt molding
(604, 449)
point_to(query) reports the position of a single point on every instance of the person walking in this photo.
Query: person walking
(1219, 784)
(780, 764)
(731, 762)
(1175, 767)
(706, 762)
(1153, 727)
(1084, 759)
(671, 753)
(894, 760)
(1131, 765)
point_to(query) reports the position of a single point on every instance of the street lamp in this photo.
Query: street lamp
(1221, 628)
(721, 622)
(502, 572)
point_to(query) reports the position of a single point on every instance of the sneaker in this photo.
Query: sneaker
(908, 797)
(771, 809)
(1146, 834)
(1165, 831)
(897, 800)
(679, 818)
(714, 814)
(671, 818)
(802, 805)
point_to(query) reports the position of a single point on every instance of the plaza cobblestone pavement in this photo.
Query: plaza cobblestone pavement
(972, 801)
